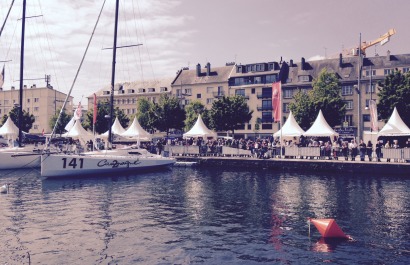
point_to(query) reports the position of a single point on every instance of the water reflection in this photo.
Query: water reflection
(327, 244)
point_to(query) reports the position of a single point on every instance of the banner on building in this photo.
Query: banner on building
(276, 100)
(373, 116)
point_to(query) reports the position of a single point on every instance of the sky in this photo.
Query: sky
(183, 33)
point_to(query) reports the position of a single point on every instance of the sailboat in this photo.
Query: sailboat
(18, 157)
(129, 159)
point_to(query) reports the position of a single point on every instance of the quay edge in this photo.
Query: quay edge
(302, 165)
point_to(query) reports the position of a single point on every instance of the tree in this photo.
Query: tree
(394, 92)
(302, 109)
(168, 114)
(230, 113)
(145, 114)
(64, 119)
(26, 123)
(326, 96)
(102, 124)
(193, 110)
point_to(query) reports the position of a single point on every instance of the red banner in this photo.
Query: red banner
(276, 100)
(95, 109)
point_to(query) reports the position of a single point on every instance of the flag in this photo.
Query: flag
(77, 113)
(373, 115)
(95, 109)
(276, 100)
(2, 78)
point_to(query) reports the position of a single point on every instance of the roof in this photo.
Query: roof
(395, 126)
(290, 128)
(190, 77)
(320, 128)
(199, 130)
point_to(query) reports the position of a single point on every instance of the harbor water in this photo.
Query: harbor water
(203, 216)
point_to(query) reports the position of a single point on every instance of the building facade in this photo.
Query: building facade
(41, 102)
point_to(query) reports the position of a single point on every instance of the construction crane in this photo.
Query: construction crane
(383, 39)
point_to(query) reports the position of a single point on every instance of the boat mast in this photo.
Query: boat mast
(23, 26)
(7, 16)
(114, 54)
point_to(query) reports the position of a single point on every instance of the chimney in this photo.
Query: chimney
(208, 69)
(388, 57)
(198, 70)
(291, 63)
(25, 86)
(340, 60)
(302, 64)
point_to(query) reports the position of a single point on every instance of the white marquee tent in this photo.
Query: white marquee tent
(395, 126)
(199, 130)
(116, 128)
(9, 130)
(290, 128)
(79, 133)
(320, 128)
(135, 131)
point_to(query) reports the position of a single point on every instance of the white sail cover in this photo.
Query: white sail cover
(290, 129)
(9, 129)
(135, 131)
(199, 130)
(395, 126)
(320, 128)
(116, 128)
(77, 132)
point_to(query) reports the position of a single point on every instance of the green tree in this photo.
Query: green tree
(326, 96)
(26, 123)
(101, 124)
(394, 92)
(302, 109)
(193, 110)
(64, 119)
(230, 113)
(145, 114)
(168, 114)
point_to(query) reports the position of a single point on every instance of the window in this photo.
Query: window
(151, 89)
(36, 100)
(366, 117)
(141, 90)
(287, 93)
(249, 126)
(134, 100)
(133, 111)
(28, 110)
(209, 100)
(388, 71)
(36, 108)
(163, 89)
(209, 90)
(35, 127)
(253, 90)
(267, 126)
(123, 101)
(128, 111)
(270, 78)
(370, 90)
(28, 100)
(286, 107)
(188, 91)
(349, 104)
(0, 111)
(266, 104)
(267, 117)
(348, 119)
(406, 70)
(128, 101)
(258, 80)
(368, 72)
(198, 95)
(240, 92)
(304, 78)
(347, 90)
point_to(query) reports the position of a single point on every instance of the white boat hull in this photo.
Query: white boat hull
(62, 165)
(16, 159)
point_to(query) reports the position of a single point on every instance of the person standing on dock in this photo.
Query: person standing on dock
(362, 150)
(369, 149)
(379, 146)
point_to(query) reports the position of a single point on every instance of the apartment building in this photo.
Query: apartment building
(126, 94)
(42, 102)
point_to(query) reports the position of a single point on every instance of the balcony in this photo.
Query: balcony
(263, 95)
(218, 94)
(242, 95)
(266, 119)
(264, 108)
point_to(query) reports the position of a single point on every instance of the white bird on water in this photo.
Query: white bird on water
(4, 188)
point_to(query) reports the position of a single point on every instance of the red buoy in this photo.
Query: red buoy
(328, 228)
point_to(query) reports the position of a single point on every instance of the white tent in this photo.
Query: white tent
(79, 133)
(395, 126)
(290, 128)
(135, 131)
(116, 128)
(199, 130)
(320, 128)
(9, 129)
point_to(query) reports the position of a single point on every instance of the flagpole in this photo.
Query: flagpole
(280, 117)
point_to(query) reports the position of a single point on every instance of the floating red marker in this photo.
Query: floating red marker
(328, 228)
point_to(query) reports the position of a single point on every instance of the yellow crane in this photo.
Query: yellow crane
(383, 39)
